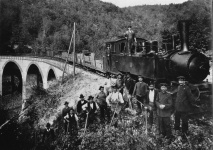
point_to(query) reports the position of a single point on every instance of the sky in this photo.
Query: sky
(126, 3)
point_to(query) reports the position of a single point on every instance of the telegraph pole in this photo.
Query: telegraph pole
(74, 51)
(67, 57)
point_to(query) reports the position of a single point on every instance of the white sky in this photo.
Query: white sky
(126, 3)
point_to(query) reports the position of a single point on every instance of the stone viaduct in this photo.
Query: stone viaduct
(21, 66)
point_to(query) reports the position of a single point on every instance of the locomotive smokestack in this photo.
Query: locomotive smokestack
(183, 27)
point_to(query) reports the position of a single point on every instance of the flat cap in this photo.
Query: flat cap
(163, 84)
(181, 77)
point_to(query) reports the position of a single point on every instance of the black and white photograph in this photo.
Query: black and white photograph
(106, 75)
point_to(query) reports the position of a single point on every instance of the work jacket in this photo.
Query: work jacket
(184, 99)
(164, 99)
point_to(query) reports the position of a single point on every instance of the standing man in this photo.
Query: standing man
(151, 103)
(129, 85)
(101, 100)
(183, 105)
(72, 120)
(80, 111)
(65, 111)
(130, 36)
(91, 109)
(115, 101)
(139, 92)
(164, 111)
(120, 83)
(48, 137)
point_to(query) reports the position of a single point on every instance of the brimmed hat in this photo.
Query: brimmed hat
(81, 96)
(65, 103)
(181, 78)
(101, 87)
(90, 97)
(163, 84)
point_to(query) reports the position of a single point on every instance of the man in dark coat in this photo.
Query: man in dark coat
(129, 85)
(65, 111)
(120, 83)
(151, 103)
(164, 111)
(101, 100)
(130, 36)
(91, 109)
(80, 104)
(48, 137)
(139, 92)
(80, 111)
(183, 105)
(72, 120)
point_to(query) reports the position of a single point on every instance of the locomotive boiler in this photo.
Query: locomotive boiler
(189, 63)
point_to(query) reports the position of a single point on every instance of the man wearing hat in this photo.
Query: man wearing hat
(183, 103)
(139, 92)
(72, 120)
(115, 101)
(120, 83)
(130, 36)
(48, 136)
(80, 111)
(101, 100)
(164, 111)
(65, 111)
(129, 86)
(91, 108)
(150, 102)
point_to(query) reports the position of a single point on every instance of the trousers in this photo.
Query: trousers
(184, 117)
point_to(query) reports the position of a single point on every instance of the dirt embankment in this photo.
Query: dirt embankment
(84, 83)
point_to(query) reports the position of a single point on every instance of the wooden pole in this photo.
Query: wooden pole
(67, 57)
(74, 51)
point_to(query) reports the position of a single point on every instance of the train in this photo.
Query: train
(147, 60)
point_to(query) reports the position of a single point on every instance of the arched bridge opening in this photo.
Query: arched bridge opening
(51, 75)
(11, 79)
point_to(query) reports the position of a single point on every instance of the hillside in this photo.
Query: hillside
(47, 25)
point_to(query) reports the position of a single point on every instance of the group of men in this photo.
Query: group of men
(118, 94)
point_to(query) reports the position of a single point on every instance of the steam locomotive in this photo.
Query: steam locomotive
(146, 60)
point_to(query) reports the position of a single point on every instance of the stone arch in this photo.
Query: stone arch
(13, 62)
(49, 72)
(40, 71)
(14, 76)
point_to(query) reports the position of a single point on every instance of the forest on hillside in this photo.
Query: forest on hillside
(46, 25)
